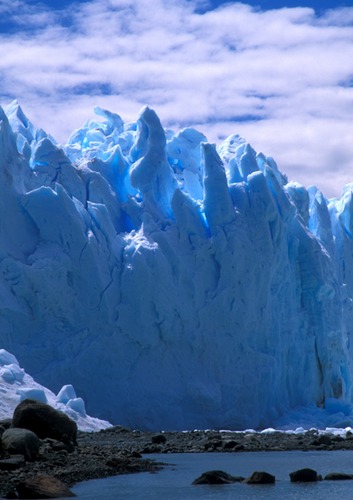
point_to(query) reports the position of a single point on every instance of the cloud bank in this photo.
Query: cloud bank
(280, 78)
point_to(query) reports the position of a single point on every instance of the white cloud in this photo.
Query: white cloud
(218, 70)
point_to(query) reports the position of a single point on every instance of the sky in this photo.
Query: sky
(280, 74)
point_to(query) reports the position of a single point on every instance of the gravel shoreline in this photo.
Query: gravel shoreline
(118, 450)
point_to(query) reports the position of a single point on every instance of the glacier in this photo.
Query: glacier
(177, 284)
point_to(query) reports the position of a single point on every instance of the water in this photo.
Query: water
(174, 482)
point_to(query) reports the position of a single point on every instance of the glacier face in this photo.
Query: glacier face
(175, 284)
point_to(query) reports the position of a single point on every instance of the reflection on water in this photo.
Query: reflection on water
(174, 482)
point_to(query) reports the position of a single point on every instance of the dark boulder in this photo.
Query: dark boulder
(43, 487)
(260, 478)
(159, 439)
(21, 442)
(230, 445)
(337, 476)
(304, 476)
(323, 440)
(45, 421)
(217, 477)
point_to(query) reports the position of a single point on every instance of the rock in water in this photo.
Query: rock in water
(260, 478)
(338, 476)
(217, 477)
(304, 476)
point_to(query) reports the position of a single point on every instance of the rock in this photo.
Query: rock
(43, 487)
(217, 477)
(260, 478)
(159, 439)
(213, 444)
(53, 446)
(304, 476)
(45, 421)
(12, 463)
(322, 440)
(21, 442)
(337, 476)
(230, 445)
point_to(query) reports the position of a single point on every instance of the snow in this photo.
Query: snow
(16, 389)
(175, 283)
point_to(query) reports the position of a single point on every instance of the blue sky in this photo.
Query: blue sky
(280, 77)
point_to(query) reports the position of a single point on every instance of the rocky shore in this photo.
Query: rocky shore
(95, 456)
(200, 441)
(118, 450)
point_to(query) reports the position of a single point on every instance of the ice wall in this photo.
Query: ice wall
(178, 285)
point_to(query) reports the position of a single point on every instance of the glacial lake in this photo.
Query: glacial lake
(174, 481)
